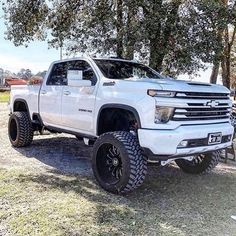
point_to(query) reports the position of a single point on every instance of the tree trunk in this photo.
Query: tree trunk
(156, 55)
(130, 34)
(225, 63)
(228, 68)
(217, 58)
(129, 53)
(119, 24)
(223, 71)
(215, 72)
(159, 43)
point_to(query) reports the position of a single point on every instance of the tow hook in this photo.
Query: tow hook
(164, 163)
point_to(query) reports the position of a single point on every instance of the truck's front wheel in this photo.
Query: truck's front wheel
(202, 163)
(20, 130)
(118, 163)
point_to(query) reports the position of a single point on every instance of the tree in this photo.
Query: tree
(159, 24)
(196, 41)
(226, 56)
(225, 39)
(8, 73)
(229, 35)
(106, 27)
(176, 36)
(41, 74)
(233, 66)
(26, 20)
(24, 73)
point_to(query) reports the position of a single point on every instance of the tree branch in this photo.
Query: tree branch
(233, 37)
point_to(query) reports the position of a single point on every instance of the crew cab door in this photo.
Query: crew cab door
(78, 101)
(51, 94)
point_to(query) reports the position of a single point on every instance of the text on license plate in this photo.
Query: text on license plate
(214, 138)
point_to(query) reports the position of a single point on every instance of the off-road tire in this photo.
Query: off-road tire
(20, 129)
(209, 162)
(134, 164)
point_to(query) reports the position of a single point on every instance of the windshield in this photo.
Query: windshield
(115, 69)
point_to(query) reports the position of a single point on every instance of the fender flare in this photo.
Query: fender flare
(20, 100)
(120, 106)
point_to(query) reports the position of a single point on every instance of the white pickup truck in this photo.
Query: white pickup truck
(131, 115)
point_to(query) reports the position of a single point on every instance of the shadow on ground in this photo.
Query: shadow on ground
(168, 201)
(64, 154)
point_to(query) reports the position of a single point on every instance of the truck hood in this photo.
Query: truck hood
(181, 85)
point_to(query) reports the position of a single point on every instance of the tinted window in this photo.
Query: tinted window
(88, 73)
(58, 74)
(115, 69)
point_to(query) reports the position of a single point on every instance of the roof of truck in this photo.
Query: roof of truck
(95, 58)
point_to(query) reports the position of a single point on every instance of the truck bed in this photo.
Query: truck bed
(29, 93)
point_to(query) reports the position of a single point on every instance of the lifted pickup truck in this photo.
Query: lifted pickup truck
(131, 115)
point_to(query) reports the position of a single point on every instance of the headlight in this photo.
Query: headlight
(157, 93)
(163, 114)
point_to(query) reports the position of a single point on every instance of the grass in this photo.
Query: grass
(169, 203)
(4, 96)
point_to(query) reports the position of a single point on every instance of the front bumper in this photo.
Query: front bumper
(166, 142)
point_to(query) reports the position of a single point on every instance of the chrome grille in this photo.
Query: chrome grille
(200, 95)
(203, 106)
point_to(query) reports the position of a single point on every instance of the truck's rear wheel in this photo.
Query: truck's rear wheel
(118, 163)
(20, 130)
(202, 163)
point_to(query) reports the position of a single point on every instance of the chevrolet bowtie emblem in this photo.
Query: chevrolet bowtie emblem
(212, 103)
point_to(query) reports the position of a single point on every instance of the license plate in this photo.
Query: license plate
(214, 138)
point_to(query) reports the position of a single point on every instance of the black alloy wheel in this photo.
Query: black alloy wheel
(118, 163)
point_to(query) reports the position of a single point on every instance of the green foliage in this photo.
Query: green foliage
(196, 40)
(4, 96)
(174, 36)
(24, 73)
(26, 20)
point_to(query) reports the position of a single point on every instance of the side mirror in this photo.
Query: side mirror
(75, 79)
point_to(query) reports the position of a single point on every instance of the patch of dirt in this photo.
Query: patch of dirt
(49, 188)
(60, 152)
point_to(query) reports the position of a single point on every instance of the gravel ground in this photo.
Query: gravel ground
(48, 189)
(61, 152)
(58, 152)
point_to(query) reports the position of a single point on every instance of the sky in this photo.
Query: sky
(37, 57)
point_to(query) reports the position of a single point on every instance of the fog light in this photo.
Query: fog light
(183, 143)
(228, 138)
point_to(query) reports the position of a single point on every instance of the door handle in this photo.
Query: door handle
(43, 91)
(66, 92)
